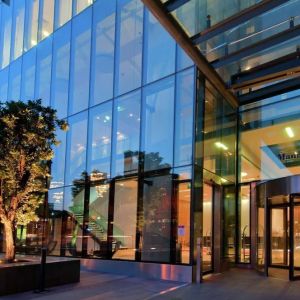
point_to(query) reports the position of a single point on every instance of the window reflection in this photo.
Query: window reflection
(5, 35)
(126, 134)
(184, 118)
(76, 147)
(28, 75)
(82, 4)
(14, 87)
(63, 12)
(103, 51)
(80, 62)
(43, 71)
(158, 122)
(157, 63)
(47, 19)
(100, 127)
(129, 45)
(60, 70)
(31, 24)
(155, 239)
(125, 218)
(4, 84)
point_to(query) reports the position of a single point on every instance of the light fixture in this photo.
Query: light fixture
(45, 33)
(289, 131)
(33, 42)
(244, 174)
(221, 145)
(224, 180)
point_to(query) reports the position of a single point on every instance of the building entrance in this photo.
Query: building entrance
(278, 227)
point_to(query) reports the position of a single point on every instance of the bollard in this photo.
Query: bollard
(199, 256)
(43, 270)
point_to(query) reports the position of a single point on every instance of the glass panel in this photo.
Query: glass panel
(157, 63)
(58, 161)
(73, 208)
(76, 148)
(219, 136)
(18, 29)
(82, 4)
(125, 220)
(3, 84)
(156, 228)
(5, 35)
(260, 233)
(244, 224)
(184, 118)
(183, 60)
(126, 134)
(63, 12)
(14, 87)
(47, 19)
(31, 23)
(207, 227)
(28, 75)
(273, 129)
(229, 239)
(103, 51)
(183, 223)
(60, 71)
(129, 46)
(98, 220)
(158, 122)
(80, 62)
(279, 236)
(43, 71)
(55, 201)
(99, 151)
(296, 240)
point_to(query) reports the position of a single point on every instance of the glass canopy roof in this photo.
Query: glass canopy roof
(252, 44)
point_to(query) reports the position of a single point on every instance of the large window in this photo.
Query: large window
(18, 29)
(156, 228)
(158, 124)
(158, 62)
(60, 70)
(126, 135)
(5, 35)
(31, 24)
(100, 127)
(47, 18)
(14, 87)
(80, 62)
(63, 12)
(103, 51)
(28, 75)
(125, 219)
(76, 148)
(43, 71)
(184, 118)
(129, 46)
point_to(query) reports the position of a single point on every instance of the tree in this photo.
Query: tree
(27, 135)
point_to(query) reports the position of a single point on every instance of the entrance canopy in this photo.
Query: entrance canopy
(251, 44)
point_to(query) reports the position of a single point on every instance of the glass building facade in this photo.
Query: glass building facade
(156, 156)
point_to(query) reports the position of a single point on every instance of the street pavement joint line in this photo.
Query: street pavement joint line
(174, 288)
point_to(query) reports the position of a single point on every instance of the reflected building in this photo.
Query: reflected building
(176, 131)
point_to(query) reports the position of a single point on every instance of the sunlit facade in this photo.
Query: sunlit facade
(157, 155)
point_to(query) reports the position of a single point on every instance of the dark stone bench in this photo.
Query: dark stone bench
(25, 276)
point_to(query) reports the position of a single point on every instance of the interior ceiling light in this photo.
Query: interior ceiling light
(221, 145)
(289, 131)
(243, 174)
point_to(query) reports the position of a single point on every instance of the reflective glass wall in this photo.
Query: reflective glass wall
(121, 177)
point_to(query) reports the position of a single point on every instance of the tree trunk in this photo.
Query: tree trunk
(9, 242)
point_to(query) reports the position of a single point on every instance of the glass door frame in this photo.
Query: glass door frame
(290, 239)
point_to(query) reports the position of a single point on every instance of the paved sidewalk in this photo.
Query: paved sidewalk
(94, 286)
(238, 284)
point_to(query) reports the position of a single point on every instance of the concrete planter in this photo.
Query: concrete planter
(25, 276)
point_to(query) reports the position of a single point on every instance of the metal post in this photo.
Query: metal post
(42, 270)
(199, 261)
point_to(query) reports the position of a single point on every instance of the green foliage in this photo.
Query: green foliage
(27, 135)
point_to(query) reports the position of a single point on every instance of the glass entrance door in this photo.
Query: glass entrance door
(279, 233)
